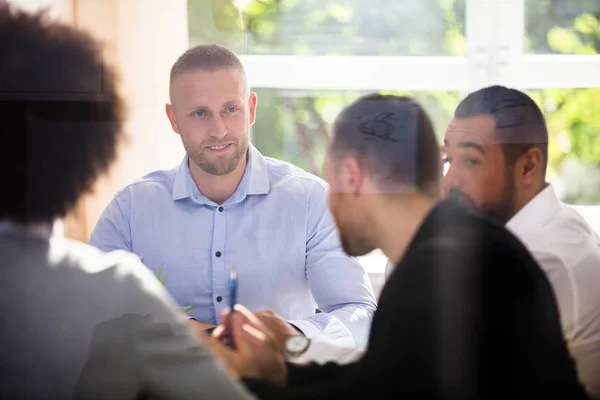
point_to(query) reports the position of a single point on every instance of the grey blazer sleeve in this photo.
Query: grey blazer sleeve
(147, 351)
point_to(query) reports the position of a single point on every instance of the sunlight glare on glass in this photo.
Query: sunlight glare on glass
(242, 4)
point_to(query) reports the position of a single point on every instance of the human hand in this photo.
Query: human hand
(280, 329)
(256, 353)
(199, 327)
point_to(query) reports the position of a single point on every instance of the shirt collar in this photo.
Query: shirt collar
(259, 175)
(254, 181)
(535, 213)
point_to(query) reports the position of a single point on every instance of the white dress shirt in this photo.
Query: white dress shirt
(568, 250)
(321, 351)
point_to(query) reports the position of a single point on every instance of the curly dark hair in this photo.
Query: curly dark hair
(60, 112)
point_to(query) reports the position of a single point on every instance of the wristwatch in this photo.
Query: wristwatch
(296, 345)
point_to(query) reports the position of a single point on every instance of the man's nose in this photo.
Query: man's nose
(219, 129)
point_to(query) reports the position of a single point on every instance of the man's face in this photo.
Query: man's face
(475, 166)
(345, 203)
(213, 112)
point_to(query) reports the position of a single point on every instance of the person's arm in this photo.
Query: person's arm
(149, 350)
(319, 350)
(112, 231)
(322, 351)
(303, 382)
(339, 284)
(406, 353)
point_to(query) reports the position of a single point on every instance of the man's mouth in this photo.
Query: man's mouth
(219, 147)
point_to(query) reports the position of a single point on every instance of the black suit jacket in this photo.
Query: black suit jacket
(466, 314)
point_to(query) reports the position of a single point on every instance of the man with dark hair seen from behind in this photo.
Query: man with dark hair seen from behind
(466, 314)
(496, 149)
(227, 206)
(76, 322)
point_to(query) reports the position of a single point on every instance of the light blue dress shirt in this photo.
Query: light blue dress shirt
(276, 229)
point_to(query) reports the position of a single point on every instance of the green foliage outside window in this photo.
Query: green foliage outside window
(293, 125)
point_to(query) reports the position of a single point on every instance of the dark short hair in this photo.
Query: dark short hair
(520, 123)
(58, 135)
(394, 139)
(207, 57)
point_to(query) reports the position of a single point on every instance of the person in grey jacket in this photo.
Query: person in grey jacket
(77, 322)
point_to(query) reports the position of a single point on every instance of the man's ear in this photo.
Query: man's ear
(530, 165)
(252, 100)
(172, 119)
(353, 176)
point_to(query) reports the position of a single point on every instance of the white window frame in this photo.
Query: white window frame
(495, 31)
(495, 55)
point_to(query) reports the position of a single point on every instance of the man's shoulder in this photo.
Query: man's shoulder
(566, 237)
(567, 224)
(283, 173)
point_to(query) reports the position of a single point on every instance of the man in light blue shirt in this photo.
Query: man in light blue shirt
(228, 206)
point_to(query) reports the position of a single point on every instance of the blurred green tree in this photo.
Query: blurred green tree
(293, 124)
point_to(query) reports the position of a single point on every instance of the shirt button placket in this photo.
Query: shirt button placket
(220, 278)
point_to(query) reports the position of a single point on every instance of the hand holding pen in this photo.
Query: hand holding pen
(233, 286)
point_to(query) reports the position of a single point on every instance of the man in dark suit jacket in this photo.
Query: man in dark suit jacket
(467, 312)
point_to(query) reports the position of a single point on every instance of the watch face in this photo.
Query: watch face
(297, 344)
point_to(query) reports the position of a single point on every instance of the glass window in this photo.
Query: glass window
(294, 125)
(330, 27)
(573, 118)
(562, 26)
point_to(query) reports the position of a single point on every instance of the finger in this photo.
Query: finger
(215, 346)
(245, 339)
(226, 355)
(218, 332)
(254, 335)
(252, 319)
(224, 315)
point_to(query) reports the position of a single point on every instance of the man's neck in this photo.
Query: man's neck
(527, 196)
(218, 188)
(397, 223)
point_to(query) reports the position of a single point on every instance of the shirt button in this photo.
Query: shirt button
(218, 254)
(219, 299)
(220, 209)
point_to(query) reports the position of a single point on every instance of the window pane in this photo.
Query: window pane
(562, 26)
(573, 118)
(330, 27)
(294, 125)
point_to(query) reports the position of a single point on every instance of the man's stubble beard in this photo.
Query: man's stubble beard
(504, 207)
(219, 168)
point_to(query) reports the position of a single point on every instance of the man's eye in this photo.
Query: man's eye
(471, 162)
(231, 109)
(199, 113)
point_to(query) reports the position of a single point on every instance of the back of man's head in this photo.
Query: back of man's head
(60, 113)
(520, 123)
(207, 57)
(394, 140)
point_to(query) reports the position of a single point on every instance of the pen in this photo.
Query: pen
(233, 285)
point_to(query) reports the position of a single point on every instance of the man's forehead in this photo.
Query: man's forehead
(198, 88)
(478, 129)
(226, 79)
